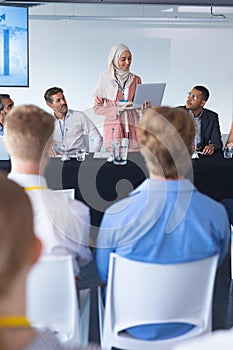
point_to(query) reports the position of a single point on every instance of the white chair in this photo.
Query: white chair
(145, 293)
(68, 193)
(52, 300)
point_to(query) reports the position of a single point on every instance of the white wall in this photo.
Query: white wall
(72, 54)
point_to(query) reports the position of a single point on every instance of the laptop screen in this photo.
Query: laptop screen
(152, 92)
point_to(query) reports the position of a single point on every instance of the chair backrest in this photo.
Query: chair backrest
(145, 293)
(51, 299)
(68, 193)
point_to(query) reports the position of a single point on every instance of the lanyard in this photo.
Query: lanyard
(31, 188)
(122, 88)
(62, 128)
(14, 321)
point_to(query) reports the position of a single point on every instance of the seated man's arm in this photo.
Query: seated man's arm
(215, 138)
(93, 134)
(80, 217)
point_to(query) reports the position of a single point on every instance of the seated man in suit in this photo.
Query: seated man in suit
(62, 224)
(208, 135)
(166, 219)
(71, 126)
(6, 104)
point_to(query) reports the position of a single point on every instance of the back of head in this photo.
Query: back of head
(166, 135)
(16, 231)
(204, 91)
(48, 96)
(28, 132)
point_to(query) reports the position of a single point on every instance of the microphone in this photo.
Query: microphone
(66, 136)
(112, 135)
(111, 157)
(65, 155)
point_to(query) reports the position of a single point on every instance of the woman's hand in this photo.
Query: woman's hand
(124, 106)
(145, 105)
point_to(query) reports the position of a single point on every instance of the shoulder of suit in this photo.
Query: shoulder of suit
(209, 112)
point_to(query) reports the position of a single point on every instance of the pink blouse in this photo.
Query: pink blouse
(124, 123)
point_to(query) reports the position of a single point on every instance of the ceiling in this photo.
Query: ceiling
(211, 11)
(143, 2)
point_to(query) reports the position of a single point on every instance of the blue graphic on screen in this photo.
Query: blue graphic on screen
(13, 46)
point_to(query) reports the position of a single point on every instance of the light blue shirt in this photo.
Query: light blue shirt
(197, 120)
(163, 221)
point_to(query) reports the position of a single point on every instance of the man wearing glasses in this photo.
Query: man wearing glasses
(6, 104)
(208, 135)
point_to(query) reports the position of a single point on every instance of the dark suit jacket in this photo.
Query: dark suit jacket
(210, 129)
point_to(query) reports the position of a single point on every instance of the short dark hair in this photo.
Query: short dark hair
(50, 92)
(204, 91)
(3, 96)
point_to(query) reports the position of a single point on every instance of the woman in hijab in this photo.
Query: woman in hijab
(115, 92)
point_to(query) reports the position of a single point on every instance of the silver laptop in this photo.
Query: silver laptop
(152, 92)
(3, 153)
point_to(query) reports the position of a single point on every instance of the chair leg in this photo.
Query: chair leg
(101, 313)
(84, 315)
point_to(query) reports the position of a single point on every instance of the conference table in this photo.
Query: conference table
(99, 183)
(213, 175)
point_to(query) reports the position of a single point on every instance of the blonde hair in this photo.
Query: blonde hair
(27, 130)
(166, 135)
(16, 231)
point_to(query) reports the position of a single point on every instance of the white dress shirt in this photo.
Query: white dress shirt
(76, 130)
(62, 224)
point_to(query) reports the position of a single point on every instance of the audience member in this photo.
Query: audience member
(71, 126)
(208, 135)
(6, 104)
(117, 84)
(166, 219)
(61, 224)
(217, 340)
(19, 250)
